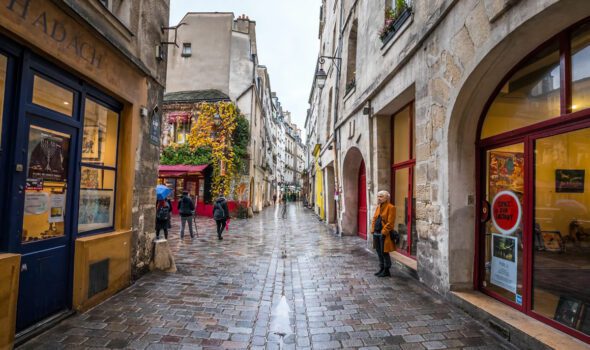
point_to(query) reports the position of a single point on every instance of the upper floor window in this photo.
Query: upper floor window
(397, 13)
(351, 61)
(186, 50)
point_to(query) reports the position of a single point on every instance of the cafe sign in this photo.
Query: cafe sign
(506, 212)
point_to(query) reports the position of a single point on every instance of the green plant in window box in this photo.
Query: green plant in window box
(394, 18)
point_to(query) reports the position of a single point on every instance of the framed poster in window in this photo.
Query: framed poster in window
(569, 181)
(91, 146)
(95, 209)
(568, 311)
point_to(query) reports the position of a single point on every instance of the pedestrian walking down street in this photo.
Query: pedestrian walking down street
(186, 209)
(220, 214)
(284, 206)
(162, 218)
(274, 199)
(382, 228)
(169, 201)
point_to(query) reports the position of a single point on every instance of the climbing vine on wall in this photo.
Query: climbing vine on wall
(216, 133)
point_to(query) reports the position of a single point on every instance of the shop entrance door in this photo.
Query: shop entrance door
(362, 195)
(44, 208)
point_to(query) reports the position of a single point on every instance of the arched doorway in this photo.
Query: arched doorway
(350, 192)
(362, 202)
(533, 199)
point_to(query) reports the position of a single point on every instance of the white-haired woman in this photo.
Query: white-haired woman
(382, 228)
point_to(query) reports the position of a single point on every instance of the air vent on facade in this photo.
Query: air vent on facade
(98, 277)
(501, 330)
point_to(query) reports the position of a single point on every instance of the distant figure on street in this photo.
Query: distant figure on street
(382, 229)
(162, 218)
(274, 199)
(284, 205)
(220, 214)
(186, 209)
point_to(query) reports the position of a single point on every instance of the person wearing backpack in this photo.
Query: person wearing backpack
(383, 233)
(186, 209)
(220, 214)
(162, 218)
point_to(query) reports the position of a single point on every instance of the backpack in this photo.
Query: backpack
(185, 206)
(163, 213)
(218, 212)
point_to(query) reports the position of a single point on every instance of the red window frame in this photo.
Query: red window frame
(409, 164)
(565, 122)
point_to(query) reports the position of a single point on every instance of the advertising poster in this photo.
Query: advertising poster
(57, 205)
(506, 172)
(36, 203)
(504, 262)
(48, 155)
(95, 209)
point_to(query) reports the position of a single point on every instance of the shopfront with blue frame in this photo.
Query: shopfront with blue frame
(46, 268)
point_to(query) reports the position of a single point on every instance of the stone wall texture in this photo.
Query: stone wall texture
(447, 59)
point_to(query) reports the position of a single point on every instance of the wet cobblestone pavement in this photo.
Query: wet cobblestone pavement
(272, 283)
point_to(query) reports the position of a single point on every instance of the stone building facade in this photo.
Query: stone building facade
(230, 65)
(403, 108)
(80, 88)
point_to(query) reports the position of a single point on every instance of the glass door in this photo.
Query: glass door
(45, 185)
(502, 227)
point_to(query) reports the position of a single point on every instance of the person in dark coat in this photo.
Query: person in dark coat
(162, 218)
(220, 214)
(186, 209)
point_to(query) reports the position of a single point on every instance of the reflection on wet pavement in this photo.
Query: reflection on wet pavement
(272, 283)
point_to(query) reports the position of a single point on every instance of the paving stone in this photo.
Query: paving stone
(226, 293)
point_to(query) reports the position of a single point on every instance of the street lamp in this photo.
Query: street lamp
(320, 75)
(320, 78)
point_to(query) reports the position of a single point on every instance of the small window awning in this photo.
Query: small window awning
(181, 170)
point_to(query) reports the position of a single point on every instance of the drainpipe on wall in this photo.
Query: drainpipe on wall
(336, 139)
(371, 171)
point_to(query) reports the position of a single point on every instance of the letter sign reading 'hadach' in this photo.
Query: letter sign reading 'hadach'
(506, 212)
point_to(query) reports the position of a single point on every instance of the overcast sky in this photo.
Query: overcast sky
(287, 39)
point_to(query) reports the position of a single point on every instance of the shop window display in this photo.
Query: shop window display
(534, 222)
(561, 277)
(402, 176)
(98, 168)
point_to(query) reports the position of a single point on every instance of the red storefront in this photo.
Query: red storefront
(192, 178)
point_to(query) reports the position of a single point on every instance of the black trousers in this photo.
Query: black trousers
(384, 258)
(220, 226)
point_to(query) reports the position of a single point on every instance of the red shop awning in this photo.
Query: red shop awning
(178, 117)
(181, 170)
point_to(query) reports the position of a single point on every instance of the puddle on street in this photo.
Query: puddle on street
(279, 320)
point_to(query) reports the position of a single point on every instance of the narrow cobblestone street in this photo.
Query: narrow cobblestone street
(272, 283)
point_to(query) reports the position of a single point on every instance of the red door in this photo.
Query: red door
(362, 215)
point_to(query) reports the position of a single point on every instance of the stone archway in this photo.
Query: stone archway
(351, 166)
(480, 81)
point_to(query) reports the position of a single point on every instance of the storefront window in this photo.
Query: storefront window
(530, 96)
(401, 136)
(99, 169)
(3, 64)
(581, 68)
(503, 232)
(47, 182)
(403, 180)
(561, 236)
(52, 96)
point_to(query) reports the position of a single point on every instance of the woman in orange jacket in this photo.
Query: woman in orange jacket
(382, 228)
